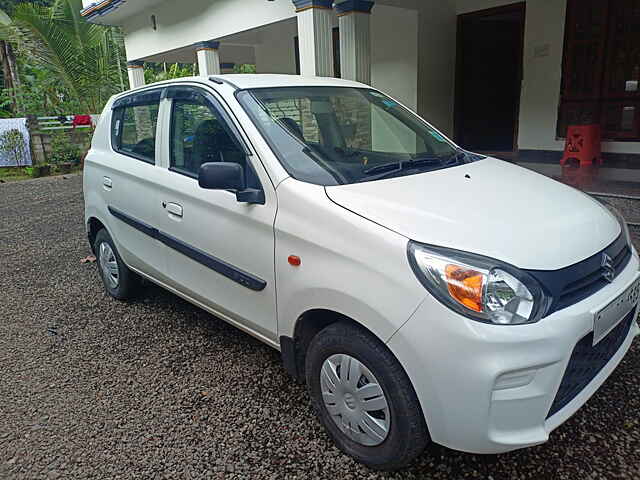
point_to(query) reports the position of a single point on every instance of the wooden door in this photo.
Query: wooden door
(601, 68)
(488, 79)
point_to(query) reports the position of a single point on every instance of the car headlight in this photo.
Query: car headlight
(477, 287)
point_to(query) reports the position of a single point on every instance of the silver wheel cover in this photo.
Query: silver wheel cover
(355, 400)
(109, 265)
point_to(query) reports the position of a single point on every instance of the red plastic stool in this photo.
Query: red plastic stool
(583, 144)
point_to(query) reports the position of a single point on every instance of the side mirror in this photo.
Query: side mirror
(229, 176)
(221, 176)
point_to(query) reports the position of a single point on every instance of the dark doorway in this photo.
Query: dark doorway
(488, 79)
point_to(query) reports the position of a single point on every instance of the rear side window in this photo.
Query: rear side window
(134, 125)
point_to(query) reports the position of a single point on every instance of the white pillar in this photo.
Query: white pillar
(136, 74)
(315, 37)
(208, 58)
(355, 39)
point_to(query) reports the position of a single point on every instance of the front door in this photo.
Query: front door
(488, 79)
(220, 252)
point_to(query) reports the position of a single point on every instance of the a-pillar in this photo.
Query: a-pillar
(136, 74)
(208, 58)
(355, 39)
(315, 37)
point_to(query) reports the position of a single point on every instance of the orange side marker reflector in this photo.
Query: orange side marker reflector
(294, 260)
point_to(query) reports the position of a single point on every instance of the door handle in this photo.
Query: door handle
(174, 209)
(107, 183)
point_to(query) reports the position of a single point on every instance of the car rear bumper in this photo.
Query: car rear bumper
(490, 389)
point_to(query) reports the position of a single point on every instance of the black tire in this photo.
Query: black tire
(408, 434)
(128, 281)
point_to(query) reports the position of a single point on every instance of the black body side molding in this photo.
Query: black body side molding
(223, 268)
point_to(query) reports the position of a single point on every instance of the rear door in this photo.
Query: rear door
(220, 252)
(129, 177)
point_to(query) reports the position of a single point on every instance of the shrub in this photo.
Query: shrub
(63, 150)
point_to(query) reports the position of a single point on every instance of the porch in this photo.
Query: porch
(498, 77)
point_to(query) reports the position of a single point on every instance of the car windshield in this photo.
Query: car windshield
(338, 135)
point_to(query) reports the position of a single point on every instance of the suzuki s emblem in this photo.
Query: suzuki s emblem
(608, 272)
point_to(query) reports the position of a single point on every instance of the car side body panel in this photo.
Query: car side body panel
(344, 273)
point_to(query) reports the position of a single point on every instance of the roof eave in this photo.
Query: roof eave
(100, 9)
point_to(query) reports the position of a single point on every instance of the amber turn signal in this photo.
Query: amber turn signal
(465, 285)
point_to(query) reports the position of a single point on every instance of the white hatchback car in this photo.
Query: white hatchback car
(424, 293)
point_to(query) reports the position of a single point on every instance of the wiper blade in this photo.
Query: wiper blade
(403, 165)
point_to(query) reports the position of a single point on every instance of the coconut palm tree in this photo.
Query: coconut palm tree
(87, 59)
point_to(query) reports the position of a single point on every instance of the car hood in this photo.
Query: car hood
(489, 207)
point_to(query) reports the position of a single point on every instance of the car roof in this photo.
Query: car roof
(242, 81)
(274, 80)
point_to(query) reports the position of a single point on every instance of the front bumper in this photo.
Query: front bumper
(488, 388)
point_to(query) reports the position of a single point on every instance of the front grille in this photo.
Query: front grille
(572, 284)
(587, 360)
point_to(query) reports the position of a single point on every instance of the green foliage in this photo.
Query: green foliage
(245, 68)
(63, 150)
(13, 173)
(158, 72)
(86, 60)
(39, 94)
(9, 5)
(12, 143)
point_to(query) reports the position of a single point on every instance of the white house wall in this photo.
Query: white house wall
(183, 23)
(394, 53)
(275, 53)
(437, 63)
(545, 25)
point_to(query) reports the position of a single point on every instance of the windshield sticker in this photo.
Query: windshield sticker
(438, 137)
(390, 103)
(376, 94)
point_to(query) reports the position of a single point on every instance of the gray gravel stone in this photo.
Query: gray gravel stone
(156, 388)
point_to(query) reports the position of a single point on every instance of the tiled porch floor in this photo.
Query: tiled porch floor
(603, 183)
(608, 181)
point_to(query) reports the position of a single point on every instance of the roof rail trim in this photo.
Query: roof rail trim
(220, 81)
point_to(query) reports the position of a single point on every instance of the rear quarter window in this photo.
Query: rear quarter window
(134, 125)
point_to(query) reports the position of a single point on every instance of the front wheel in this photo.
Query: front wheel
(364, 398)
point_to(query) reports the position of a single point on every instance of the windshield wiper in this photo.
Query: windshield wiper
(387, 169)
(406, 164)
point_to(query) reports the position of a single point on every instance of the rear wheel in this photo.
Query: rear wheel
(118, 280)
(364, 398)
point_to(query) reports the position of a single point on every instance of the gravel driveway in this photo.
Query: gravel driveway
(94, 388)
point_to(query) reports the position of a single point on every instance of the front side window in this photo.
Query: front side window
(133, 130)
(199, 135)
(337, 135)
